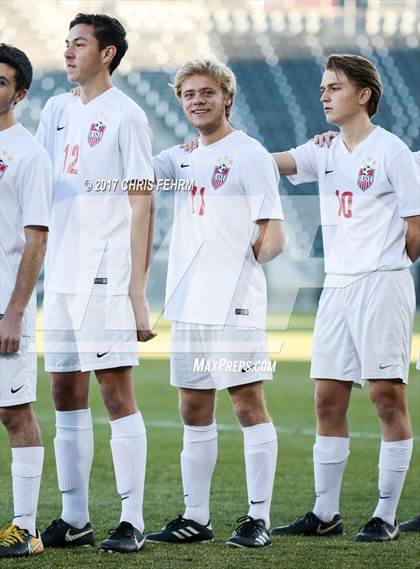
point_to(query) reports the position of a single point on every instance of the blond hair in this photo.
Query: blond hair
(361, 72)
(211, 67)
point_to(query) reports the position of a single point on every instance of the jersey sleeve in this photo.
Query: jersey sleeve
(135, 143)
(404, 176)
(35, 191)
(306, 163)
(163, 165)
(416, 156)
(42, 133)
(260, 180)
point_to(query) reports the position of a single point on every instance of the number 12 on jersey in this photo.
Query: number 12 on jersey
(71, 169)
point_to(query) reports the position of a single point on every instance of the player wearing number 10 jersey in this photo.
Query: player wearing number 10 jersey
(370, 212)
(96, 273)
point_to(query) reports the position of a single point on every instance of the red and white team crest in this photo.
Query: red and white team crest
(3, 168)
(4, 162)
(220, 172)
(96, 131)
(366, 174)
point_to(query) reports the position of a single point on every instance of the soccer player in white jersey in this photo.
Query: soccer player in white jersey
(229, 223)
(100, 145)
(370, 213)
(25, 205)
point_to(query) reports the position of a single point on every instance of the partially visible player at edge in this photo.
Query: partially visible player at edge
(25, 204)
(370, 212)
(216, 299)
(96, 274)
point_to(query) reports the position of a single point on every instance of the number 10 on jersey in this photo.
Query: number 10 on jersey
(345, 201)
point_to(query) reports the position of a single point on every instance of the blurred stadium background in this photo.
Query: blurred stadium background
(276, 49)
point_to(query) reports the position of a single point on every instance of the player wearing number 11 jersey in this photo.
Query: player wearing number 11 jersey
(370, 213)
(96, 273)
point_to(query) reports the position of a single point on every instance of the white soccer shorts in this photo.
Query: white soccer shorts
(87, 333)
(216, 357)
(18, 374)
(363, 330)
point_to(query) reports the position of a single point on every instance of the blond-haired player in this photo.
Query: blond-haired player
(224, 228)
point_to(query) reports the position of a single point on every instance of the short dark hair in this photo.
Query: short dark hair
(19, 61)
(108, 31)
(361, 72)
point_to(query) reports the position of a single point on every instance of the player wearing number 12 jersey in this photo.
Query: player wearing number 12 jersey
(370, 212)
(96, 273)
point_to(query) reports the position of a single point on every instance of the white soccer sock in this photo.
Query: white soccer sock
(26, 473)
(260, 451)
(330, 455)
(198, 459)
(129, 453)
(73, 445)
(394, 460)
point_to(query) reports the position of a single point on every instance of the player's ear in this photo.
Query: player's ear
(108, 54)
(19, 96)
(365, 95)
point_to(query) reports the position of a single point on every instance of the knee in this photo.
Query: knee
(65, 396)
(194, 414)
(249, 415)
(387, 407)
(327, 407)
(14, 418)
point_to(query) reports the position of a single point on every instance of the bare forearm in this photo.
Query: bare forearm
(29, 268)
(270, 240)
(141, 242)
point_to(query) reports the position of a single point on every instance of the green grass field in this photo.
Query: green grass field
(290, 400)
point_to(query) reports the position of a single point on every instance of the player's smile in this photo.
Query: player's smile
(203, 102)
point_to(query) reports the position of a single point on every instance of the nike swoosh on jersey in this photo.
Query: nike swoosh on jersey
(329, 171)
(60, 127)
(383, 367)
(98, 355)
(321, 531)
(73, 536)
(16, 390)
(185, 165)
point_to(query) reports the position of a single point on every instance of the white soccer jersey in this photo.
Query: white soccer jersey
(213, 277)
(417, 157)
(364, 196)
(94, 148)
(25, 199)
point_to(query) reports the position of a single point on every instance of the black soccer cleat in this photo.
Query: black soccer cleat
(378, 530)
(181, 530)
(311, 525)
(62, 534)
(124, 539)
(250, 533)
(411, 525)
(16, 542)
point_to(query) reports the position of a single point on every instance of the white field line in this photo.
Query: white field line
(226, 427)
